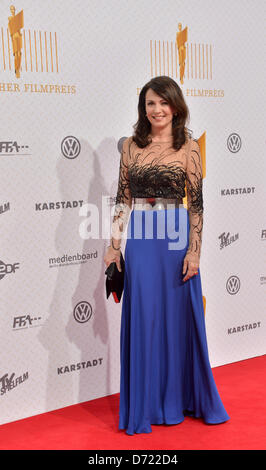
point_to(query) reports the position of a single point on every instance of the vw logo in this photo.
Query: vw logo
(233, 285)
(70, 147)
(234, 142)
(82, 312)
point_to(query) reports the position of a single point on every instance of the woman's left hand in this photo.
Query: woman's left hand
(190, 265)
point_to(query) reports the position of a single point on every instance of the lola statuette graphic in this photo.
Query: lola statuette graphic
(181, 39)
(15, 23)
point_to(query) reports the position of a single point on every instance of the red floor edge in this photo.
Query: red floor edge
(93, 425)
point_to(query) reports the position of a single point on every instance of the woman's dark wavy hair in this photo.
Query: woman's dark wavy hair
(169, 90)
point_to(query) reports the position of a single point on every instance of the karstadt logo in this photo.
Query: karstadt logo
(57, 205)
(233, 285)
(70, 147)
(7, 268)
(80, 366)
(234, 142)
(82, 312)
(244, 190)
(243, 328)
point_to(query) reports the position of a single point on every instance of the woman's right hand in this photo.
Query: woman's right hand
(190, 265)
(111, 256)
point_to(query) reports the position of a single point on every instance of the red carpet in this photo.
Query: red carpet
(94, 424)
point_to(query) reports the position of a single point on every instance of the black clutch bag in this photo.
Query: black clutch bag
(115, 280)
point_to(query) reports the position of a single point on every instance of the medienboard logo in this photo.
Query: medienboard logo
(233, 285)
(234, 142)
(69, 260)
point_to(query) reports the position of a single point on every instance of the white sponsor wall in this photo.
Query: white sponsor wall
(83, 64)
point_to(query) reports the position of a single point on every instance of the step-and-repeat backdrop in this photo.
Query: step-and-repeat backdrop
(70, 76)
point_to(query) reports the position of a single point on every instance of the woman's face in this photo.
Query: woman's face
(158, 111)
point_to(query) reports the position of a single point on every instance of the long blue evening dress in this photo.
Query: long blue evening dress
(165, 369)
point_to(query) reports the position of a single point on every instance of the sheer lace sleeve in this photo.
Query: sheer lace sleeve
(194, 197)
(123, 197)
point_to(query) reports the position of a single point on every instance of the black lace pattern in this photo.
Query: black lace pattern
(157, 180)
(123, 197)
(195, 198)
(154, 173)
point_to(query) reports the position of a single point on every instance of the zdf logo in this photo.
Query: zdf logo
(7, 268)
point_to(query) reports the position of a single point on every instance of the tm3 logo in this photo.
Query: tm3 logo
(7, 268)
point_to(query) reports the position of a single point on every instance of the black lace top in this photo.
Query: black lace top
(158, 170)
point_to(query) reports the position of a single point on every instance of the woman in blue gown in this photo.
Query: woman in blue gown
(165, 369)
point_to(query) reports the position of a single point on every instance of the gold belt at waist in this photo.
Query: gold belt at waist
(155, 203)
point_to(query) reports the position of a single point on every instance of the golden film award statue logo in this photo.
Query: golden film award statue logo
(181, 39)
(15, 23)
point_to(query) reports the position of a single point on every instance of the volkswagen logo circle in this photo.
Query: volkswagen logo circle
(70, 147)
(233, 285)
(82, 312)
(234, 142)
